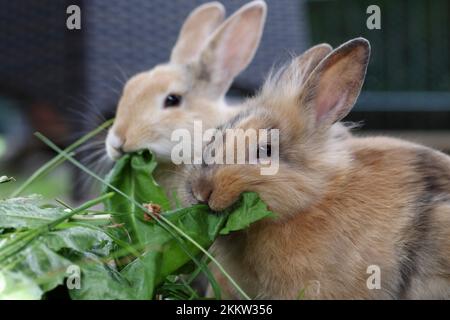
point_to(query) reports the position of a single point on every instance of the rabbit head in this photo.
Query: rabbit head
(304, 101)
(208, 54)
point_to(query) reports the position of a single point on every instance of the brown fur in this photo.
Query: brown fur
(365, 218)
(343, 204)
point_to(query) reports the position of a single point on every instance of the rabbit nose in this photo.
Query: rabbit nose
(114, 145)
(202, 194)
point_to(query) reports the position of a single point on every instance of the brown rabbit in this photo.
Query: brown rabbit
(343, 206)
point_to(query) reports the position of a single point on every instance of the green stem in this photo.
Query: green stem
(87, 216)
(97, 217)
(81, 208)
(56, 161)
(160, 219)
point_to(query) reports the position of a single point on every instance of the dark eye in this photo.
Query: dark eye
(266, 150)
(172, 100)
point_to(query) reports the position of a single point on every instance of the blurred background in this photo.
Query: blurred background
(64, 83)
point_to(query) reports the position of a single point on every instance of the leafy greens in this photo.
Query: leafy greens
(127, 257)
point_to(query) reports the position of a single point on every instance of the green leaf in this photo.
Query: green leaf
(246, 211)
(38, 262)
(42, 251)
(80, 239)
(176, 232)
(17, 286)
(132, 175)
(100, 281)
(161, 253)
(47, 258)
(26, 213)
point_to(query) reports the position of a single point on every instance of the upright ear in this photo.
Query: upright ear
(332, 88)
(307, 61)
(297, 72)
(199, 25)
(231, 48)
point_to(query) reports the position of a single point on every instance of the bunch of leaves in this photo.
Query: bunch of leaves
(163, 252)
(128, 257)
(38, 244)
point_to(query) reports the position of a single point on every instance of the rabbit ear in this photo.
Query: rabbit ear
(334, 85)
(199, 25)
(297, 72)
(231, 48)
(311, 58)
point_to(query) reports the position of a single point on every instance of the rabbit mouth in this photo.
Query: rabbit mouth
(114, 153)
(222, 200)
(114, 146)
(202, 191)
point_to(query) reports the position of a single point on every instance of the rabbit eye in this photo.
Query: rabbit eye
(172, 100)
(267, 151)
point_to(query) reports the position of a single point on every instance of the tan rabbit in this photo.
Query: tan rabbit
(348, 209)
(191, 86)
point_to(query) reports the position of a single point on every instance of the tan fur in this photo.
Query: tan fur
(195, 31)
(196, 72)
(343, 204)
(359, 222)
